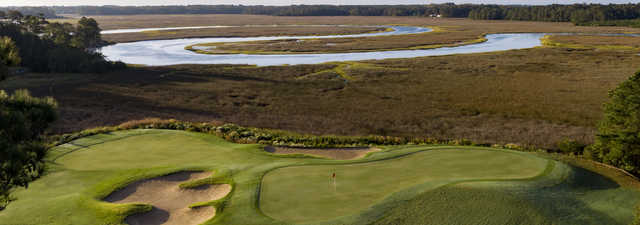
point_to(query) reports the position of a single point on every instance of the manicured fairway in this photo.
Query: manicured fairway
(358, 186)
(398, 185)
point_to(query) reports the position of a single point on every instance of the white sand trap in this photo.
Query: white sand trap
(170, 202)
(332, 153)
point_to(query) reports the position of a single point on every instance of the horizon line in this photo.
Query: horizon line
(328, 4)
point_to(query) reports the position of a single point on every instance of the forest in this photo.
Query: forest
(42, 46)
(581, 14)
(46, 12)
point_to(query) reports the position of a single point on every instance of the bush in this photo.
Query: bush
(238, 134)
(571, 147)
(23, 119)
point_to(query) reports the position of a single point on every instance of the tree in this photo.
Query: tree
(23, 120)
(618, 140)
(60, 47)
(14, 15)
(34, 24)
(9, 56)
(59, 33)
(3, 15)
(87, 34)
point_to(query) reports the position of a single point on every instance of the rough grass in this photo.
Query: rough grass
(86, 170)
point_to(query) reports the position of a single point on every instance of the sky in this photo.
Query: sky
(290, 2)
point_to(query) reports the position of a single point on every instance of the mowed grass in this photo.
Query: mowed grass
(359, 186)
(368, 190)
(77, 179)
(566, 195)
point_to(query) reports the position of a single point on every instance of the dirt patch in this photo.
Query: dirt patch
(170, 202)
(332, 153)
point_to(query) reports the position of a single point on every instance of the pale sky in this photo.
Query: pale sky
(289, 2)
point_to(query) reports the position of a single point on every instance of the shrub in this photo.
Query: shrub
(23, 119)
(570, 147)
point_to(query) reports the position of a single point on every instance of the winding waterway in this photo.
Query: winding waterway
(173, 52)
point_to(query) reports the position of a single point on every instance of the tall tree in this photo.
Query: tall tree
(34, 24)
(23, 119)
(87, 34)
(618, 141)
(59, 33)
(60, 47)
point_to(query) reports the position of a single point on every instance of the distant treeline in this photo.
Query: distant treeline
(138, 10)
(577, 13)
(582, 14)
(46, 12)
(621, 23)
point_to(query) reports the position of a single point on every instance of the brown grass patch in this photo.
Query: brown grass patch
(239, 32)
(591, 41)
(331, 153)
(170, 202)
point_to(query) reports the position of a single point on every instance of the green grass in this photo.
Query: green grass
(368, 190)
(361, 186)
(567, 195)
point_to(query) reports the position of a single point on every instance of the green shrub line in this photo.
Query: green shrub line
(279, 138)
(249, 135)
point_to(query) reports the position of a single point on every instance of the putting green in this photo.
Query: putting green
(392, 186)
(315, 197)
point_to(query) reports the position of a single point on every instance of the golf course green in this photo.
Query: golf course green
(397, 185)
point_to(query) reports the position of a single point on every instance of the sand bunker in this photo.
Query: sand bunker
(170, 202)
(332, 153)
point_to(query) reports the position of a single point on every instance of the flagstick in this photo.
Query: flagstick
(334, 182)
